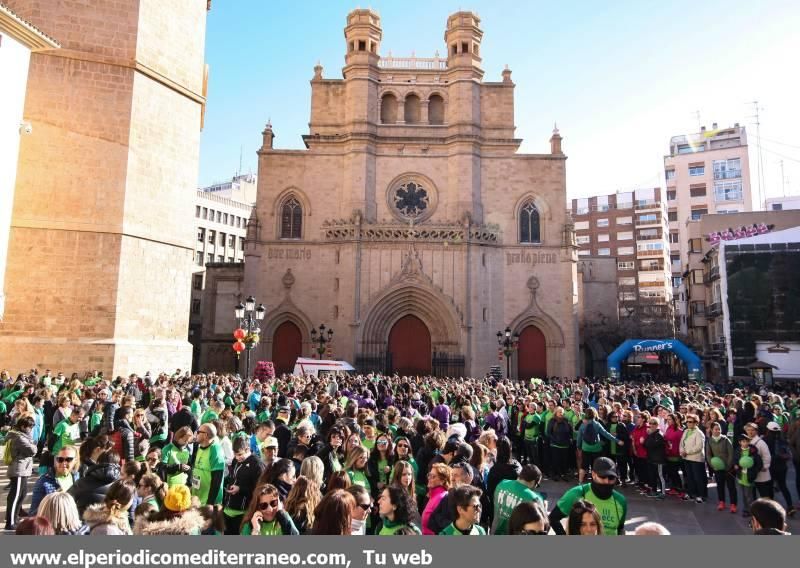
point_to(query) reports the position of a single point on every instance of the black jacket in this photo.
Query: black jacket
(92, 488)
(128, 439)
(327, 456)
(500, 472)
(284, 436)
(244, 475)
(109, 411)
(656, 448)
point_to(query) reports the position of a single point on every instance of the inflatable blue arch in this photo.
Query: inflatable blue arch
(621, 353)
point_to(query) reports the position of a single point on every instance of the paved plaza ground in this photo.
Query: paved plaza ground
(680, 517)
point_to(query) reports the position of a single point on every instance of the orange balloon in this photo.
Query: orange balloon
(238, 346)
(239, 333)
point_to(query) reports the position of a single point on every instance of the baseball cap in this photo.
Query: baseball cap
(604, 467)
(635, 407)
(270, 442)
(773, 426)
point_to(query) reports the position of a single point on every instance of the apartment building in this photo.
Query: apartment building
(221, 230)
(706, 320)
(706, 173)
(633, 227)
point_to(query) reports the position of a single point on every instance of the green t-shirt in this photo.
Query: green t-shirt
(91, 381)
(532, 433)
(612, 511)
(359, 478)
(507, 496)
(391, 529)
(208, 460)
(228, 401)
(612, 429)
(267, 529)
(171, 455)
(209, 416)
(65, 482)
(95, 420)
(66, 434)
(383, 477)
(451, 530)
(546, 417)
(196, 408)
(369, 444)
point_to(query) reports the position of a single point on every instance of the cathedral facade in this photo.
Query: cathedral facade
(410, 225)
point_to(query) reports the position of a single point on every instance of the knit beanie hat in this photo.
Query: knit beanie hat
(178, 498)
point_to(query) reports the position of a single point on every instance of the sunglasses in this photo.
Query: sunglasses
(402, 446)
(537, 533)
(65, 460)
(382, 443)
(365, 506)
(268, 505)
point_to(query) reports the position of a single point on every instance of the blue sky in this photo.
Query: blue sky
(619, 77)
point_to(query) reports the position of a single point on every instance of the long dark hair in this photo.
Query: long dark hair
(400, 498)
(575, 519)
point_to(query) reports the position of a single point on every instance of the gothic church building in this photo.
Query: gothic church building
(410, 224)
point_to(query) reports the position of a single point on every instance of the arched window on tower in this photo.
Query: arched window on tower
(436, 110)
(411, 109)
(529, 229)
(291, 219)
(388, 109)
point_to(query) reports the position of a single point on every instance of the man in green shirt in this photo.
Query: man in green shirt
(611, 504)
(467, 502)
(67, 432)
(208, 471)
(512, 492)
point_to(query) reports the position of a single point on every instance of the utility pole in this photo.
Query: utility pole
(761, 204)
(783, 181)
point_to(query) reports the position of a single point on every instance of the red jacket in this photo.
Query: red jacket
(638, 436)
(673, 437)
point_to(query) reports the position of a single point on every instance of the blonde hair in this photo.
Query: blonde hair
(60, 509)
(313, 468)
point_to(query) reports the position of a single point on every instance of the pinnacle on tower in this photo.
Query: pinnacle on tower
(363, 35)
(555, 141)
(463, 38)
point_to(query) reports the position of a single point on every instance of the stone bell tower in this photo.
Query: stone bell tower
(100, 255)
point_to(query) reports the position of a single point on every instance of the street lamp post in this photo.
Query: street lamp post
(249, 317)
(322, 337)
(508, 343)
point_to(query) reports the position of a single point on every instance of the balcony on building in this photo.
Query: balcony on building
(714, 310)
(713, 274)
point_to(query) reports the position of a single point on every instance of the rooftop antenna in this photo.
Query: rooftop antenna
(761, 204)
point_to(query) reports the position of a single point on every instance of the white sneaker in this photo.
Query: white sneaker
(698, 500)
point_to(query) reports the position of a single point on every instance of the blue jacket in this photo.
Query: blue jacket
(44, 486)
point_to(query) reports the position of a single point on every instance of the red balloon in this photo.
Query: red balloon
(239, 333)
(238, 346)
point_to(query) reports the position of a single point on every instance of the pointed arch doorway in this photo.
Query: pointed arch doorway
(532, 354)
(410, 346)
(287, 346)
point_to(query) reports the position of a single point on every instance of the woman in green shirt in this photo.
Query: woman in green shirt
(356, 467)
(396, 507)
(175, 457)
(152, 490)
(381, 460)
(265, 515)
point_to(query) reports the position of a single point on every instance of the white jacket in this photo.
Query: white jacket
(693, 443)
(763, 451)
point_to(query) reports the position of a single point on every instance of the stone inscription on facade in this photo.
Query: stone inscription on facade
(531, 257)
(289, 254)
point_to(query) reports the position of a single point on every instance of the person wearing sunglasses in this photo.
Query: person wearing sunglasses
(611, 505)
(60, 477)
(208, 469)
(693, 452)
(265, 516)
(363, 507)
(466, 500)
(529, 518)
(381, 461)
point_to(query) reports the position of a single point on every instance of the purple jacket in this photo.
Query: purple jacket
(441, 412)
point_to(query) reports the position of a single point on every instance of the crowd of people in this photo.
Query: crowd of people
(388, 455)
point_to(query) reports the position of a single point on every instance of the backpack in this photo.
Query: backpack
(7, 453)
(590, 435)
